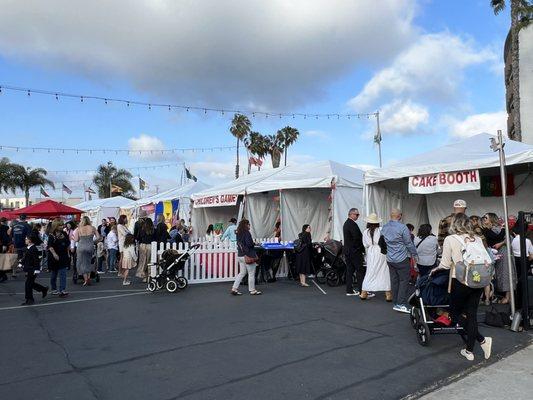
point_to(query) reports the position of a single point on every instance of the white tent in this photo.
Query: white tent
(98, 209)
(319, 194)
(181, 193)
(387, 188)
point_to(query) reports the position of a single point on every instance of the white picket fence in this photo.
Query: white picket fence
(212, 261)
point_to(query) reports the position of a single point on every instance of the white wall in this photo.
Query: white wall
(526, 84)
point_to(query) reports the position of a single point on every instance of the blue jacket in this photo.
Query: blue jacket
(399, 243)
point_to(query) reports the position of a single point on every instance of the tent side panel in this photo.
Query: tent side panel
(202, 217)
(305, 206)
(345, 198)
(262, 209)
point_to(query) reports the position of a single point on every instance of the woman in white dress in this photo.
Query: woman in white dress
(377, 277)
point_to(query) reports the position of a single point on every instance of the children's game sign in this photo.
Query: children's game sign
(444, 182)
(220, 200)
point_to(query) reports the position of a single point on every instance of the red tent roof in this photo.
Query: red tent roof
(47, 209)
(7, 214)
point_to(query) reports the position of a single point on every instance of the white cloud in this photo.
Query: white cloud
(273, 54)
(431, 69)
(479, 123)
(146, 147)
(403, 117)
(317, 134)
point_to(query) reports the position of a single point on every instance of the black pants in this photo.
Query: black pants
(463, 306)
(354, 263)
(31, 285)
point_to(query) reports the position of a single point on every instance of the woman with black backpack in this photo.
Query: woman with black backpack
(303, 254)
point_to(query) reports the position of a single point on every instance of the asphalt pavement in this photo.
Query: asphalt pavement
(108, 341)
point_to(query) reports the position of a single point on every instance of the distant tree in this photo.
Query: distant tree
(240, 129)
(26, 178)
(521, 16)
(7, 176)
(275, 145)
(289, 136)
(108, 176)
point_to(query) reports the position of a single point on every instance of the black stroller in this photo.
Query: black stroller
(429, 305)
(333, 268)
(165, 273)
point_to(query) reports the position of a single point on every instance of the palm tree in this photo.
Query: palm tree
(240, 128)
(290, 135)
(7, 175)
(257, 145)
(521, 16)
(275, 144)
(27, 178)
(107, 175)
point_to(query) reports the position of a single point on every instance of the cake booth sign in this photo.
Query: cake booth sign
(444, 182)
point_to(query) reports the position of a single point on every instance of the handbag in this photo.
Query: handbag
(496, 318)
(250, 260)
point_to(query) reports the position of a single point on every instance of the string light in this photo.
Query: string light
(117, 151)
(149, 105)
(138, 168)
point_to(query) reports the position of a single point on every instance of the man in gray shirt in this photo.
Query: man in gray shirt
(400, 248)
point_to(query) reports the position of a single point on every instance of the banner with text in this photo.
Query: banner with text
(444, 182)
(216, 201)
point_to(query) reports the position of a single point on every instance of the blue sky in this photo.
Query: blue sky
(434, 69)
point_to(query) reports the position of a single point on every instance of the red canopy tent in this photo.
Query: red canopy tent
(7, 214)
(46, 209)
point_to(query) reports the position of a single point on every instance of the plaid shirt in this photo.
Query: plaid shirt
(444, 227)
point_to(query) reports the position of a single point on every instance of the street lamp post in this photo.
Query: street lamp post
(498, 145)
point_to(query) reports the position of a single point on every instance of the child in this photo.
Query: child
(100, 256)
(32, 266)
(130, 257)
(111, 242)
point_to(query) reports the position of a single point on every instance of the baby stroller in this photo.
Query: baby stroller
(333, 268)
(429, 307)
(165, 272)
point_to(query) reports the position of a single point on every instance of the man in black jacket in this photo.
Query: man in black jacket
(32, 263)
(353, 250)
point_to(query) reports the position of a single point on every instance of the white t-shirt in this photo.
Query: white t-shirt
(515, 245)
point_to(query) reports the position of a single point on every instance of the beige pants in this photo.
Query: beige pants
(145, 253)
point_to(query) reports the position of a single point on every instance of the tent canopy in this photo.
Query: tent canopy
(471, 153)
(176, 193)
(47, 209)
(118, 202)
(313, 175)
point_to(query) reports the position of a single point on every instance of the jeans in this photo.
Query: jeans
(62, 279)
(463, 306)
(111, 259)
(245, 269)
(399, 280)
(100, 262)
(354, 263)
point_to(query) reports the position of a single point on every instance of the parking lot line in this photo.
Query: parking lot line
(84, 291)
(55, 303)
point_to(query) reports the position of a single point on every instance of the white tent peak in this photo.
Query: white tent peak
(471, 153)
(117, 201)
(301, 176)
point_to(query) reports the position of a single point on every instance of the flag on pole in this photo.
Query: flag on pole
(43, 193)
(116, 189)
(66, 189)
(189, 175)
(90, 191)
(142, 184)
(256, 161)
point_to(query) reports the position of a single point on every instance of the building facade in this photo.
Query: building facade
(526, 86)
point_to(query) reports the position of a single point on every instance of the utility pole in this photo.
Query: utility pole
(498, 145)
(156, 189)
(377, 139)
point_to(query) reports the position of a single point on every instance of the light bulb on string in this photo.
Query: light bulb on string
(29, 93)
(149, 107)
(57, 97)
(105, 101)
(81, 98)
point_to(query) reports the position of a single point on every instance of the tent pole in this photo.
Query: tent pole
(378, 139)
(503, 176)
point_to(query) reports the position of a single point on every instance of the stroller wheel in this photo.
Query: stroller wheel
(152, 286)
(320, 276)
(422, 333)
(172, 286)
(159, 283)
(333, 279)
(182, 282)
(414, 317)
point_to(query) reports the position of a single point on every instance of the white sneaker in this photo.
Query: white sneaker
(126, 283)
(466, 354)
(354, 293)
(396, 307)
(404, 309)
(486, 346)
(370, 295)
(54, 292)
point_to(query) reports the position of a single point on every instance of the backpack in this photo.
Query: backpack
(477, 267)
(19, 232)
